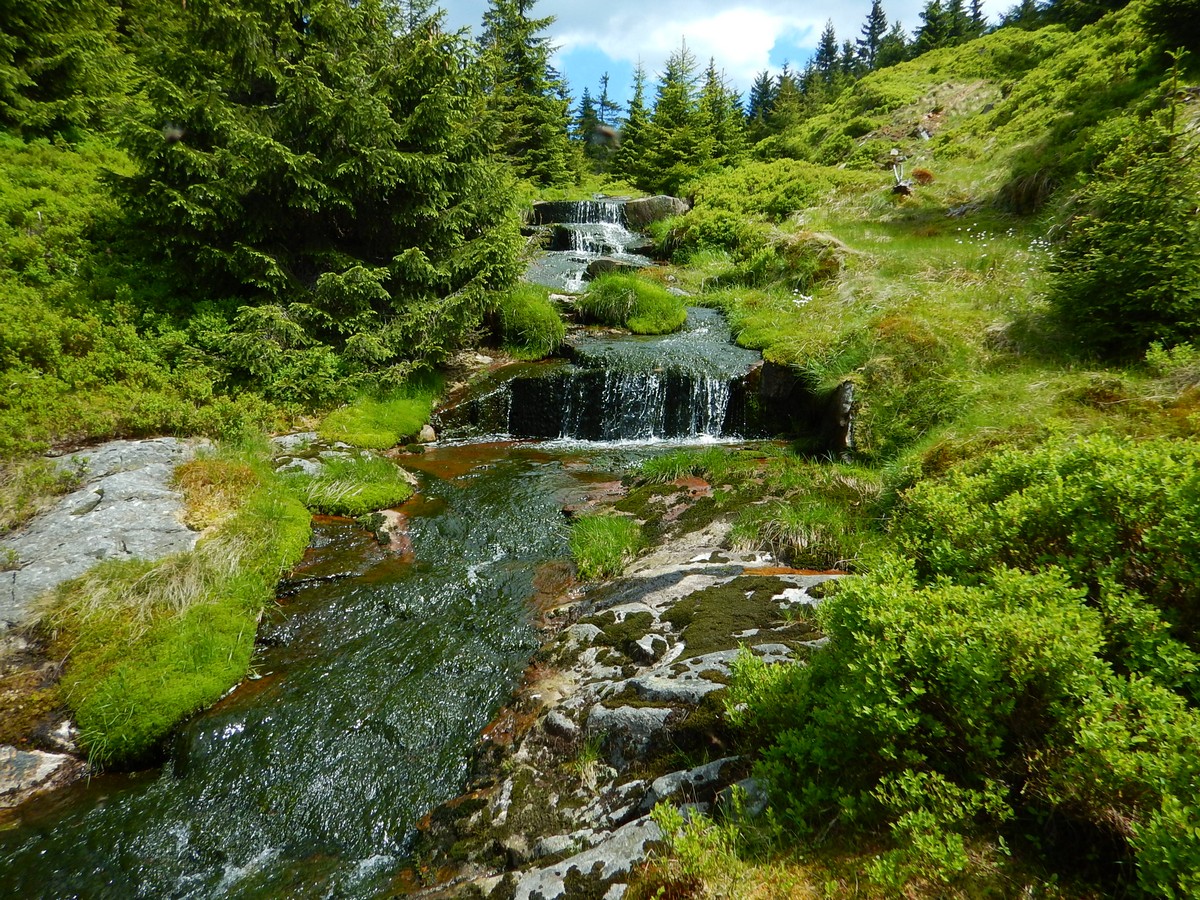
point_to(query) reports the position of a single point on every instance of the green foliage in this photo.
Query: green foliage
(1103, 510)
(379, 422)
(352, 486)
(332, 189)
(1128, 270)
(630, 301)
(61, 70)
(151, 643)
(775, 189)
(945, 711)
(603, 545)
(530, 326)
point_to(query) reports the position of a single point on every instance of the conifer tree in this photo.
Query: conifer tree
(721, 116)
(606, 110)
(872, 34)
(60, 64)
(935, 28)
(678, 146)
(893, 48)
(326, 180)
(977, 20)
(761, 104)
(628, 159)
(825, 59)
(531, 114)
(788, 107)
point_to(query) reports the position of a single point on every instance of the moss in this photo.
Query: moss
(352, 486)
(380, 422)
(710, 618)
(623, 635)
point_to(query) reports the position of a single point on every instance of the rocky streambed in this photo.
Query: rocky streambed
(622, 708)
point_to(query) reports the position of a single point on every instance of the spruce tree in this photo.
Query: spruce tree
(977, 20)
(61, 68)
(628, 160)
(762, 102)
(893, 48)
(825, 59)
(530, 113)
(788, 107)
(872, 34)
(325, 181)
(584, 126)
(678, 146)
(606, 110)
(935, 28)
(721, 115)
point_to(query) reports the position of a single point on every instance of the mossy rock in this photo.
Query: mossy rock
(711, 618)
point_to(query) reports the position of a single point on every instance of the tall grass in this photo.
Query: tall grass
(377, 422)
(352, 486)
(149, 643)
(603, 545)
(633, 302)
(530, 326)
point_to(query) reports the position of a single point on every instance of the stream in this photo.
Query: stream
(378, 671)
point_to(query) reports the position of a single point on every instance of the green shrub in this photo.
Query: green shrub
(1128, 271)
(1106, 511)
(603, 545)
(352, 486)
(380, 422)
(945, 712)
(530, 326)
(629, 301)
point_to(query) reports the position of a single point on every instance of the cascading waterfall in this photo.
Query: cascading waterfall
(581, 232)
(688, 386)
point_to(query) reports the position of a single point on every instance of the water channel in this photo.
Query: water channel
(375, 676)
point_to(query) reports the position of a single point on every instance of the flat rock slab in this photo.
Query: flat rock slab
(24, 773)
(126, 509)
(604, 863)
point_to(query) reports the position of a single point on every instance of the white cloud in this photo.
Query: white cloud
(738, 34)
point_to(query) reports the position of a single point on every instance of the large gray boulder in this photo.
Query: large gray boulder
(640, 213)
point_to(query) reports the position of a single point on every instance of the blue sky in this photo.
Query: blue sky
(744, 36)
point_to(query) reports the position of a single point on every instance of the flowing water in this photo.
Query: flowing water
(374, 690)
(379, 669)
(583, 232)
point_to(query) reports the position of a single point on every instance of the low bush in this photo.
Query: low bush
(530, 326)
(949, 714)
(629, 301)
(1128, 271)
(603, 545)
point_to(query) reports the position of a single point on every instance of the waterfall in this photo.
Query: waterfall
(685, 386)
(575, 234)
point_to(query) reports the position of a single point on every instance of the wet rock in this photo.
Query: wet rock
(650, 648)
(606, 264)
(688, 785)
(126, 509)
(24, 773)
(640, 213)
(604, 864)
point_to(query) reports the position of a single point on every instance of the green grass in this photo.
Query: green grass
(381, 422)
(530, 326)
(630, 301)
(603, 545)
(352, 486)
(148, 644)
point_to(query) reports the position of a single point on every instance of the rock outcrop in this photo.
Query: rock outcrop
(640, 213)
(126, 508)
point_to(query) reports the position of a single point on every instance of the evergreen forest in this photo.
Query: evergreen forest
(237, 218)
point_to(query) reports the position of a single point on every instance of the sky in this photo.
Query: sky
(744, 37)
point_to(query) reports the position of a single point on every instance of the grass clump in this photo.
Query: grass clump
(352, 486)
(27, 486)
(603, 545)
(530, 326)
(381, 422)
(630, 301)
(148, 644)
